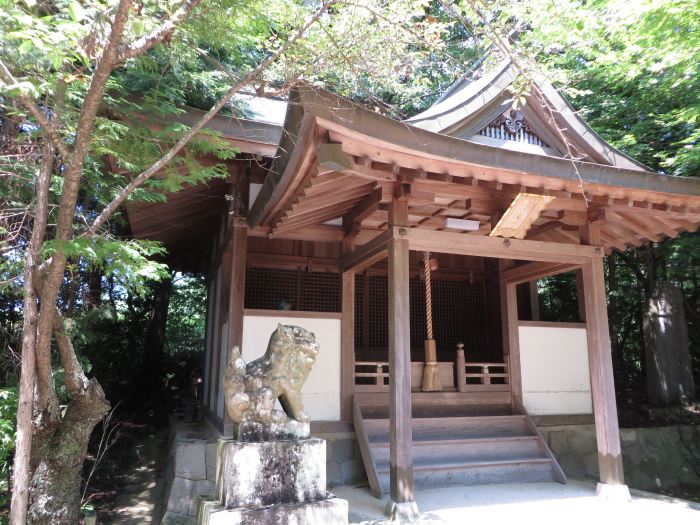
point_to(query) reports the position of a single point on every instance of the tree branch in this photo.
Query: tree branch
(75, 379)
(175, 149)
(66, 211)
(23, 443)
(162, 32)
(29, 103)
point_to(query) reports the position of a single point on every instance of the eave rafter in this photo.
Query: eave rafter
(339, 173)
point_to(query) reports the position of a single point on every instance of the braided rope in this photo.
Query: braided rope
(428, 296)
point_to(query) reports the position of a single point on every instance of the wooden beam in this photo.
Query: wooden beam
(522, 212)
(331, 158)
(480, 246)
(535, 270)
(401, 441)
(363, 209)
(367, 254)
(347, 345)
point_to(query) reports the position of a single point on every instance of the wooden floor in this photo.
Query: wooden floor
(456, 443)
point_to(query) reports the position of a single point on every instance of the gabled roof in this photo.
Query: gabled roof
(474, 108)
(337, 159)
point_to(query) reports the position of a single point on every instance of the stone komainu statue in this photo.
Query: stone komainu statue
(251, 390)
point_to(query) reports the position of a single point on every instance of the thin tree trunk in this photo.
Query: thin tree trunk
(23, 442)
(154, 344)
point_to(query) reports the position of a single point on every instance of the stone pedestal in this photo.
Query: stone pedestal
(281, 482)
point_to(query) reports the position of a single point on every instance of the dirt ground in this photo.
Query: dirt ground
(128, 485)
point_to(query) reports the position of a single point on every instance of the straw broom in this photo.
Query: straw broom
(431, 378)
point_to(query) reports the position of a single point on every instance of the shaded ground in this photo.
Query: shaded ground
(129, 483)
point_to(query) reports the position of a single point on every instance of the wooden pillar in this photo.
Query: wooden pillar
(534, 301)
(239, 249)
(612, 481)
(347, 345)
(511, 336)
(236, 298)
(401, 505)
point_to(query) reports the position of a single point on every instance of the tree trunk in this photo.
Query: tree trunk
(147, 381)
(668, 361)
(57, 460)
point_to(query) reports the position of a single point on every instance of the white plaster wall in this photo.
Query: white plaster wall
(322, 390)
(554, 370)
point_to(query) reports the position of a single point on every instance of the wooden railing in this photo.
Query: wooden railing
(373, 376)
(478, 373)
(377, 371)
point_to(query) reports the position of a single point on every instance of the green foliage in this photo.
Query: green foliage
(632, 69)
(184, 332)
(8, 410)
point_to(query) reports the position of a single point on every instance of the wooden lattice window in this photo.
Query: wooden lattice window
(459, 315)
(272, 289)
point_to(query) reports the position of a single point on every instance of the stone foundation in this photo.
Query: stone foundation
(653, 457)
(190, 472)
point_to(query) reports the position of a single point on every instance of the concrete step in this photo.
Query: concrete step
(453, 428)
(426, 451)
(526, 470)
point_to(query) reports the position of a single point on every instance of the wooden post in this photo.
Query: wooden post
(236, 300)
(511, 336)
(347, 345)
(401, 505)
(460, 364)
(612, 480)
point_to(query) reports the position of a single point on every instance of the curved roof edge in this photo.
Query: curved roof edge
(466, 97)
(312, 107)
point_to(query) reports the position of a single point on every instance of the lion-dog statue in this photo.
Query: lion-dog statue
(251, 390)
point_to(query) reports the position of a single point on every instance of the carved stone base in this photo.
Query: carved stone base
(405, 512)
(328, 511)
(613, 492)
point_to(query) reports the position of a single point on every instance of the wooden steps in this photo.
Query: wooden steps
(452, 447)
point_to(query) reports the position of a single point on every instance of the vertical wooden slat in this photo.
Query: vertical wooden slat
(347, 345)
(401, 475)
(365, 314)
